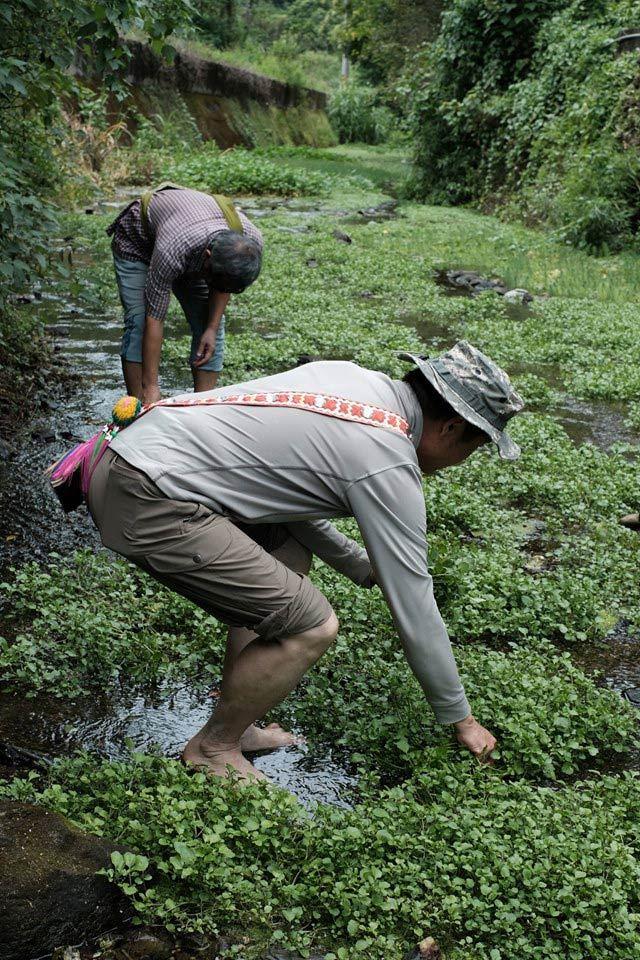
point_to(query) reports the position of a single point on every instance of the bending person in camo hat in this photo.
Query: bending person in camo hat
(200, 248)
(226, 502)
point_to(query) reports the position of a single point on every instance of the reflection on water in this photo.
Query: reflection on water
(115, 726)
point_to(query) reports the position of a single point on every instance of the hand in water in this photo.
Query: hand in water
(475, 738)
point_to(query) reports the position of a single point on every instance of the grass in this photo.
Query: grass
(314, 69)
(528, 562)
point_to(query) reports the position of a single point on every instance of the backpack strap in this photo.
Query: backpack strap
(226, 205)
(229, 212)
(71, 475)
(147, 197)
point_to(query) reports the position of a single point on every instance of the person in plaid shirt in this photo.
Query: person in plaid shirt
(180, 243)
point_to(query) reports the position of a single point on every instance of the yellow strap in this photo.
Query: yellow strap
(229, 212)
(148, 196)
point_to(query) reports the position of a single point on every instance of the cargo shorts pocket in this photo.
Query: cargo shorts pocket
(202, 537)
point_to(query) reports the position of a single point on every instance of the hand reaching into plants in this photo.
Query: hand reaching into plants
(206, 346)
(475, 738)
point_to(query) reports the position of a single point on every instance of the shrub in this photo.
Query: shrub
(238, 171)
(529, 102)
(356, 117)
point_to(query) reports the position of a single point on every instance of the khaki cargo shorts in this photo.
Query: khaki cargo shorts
(205, 557)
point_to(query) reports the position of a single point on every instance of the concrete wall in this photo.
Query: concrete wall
(230, 105)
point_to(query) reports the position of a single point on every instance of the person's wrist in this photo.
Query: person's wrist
(465, 723)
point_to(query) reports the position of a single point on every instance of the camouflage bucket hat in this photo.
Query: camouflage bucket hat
(477, 388)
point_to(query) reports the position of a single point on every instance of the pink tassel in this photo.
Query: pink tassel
(64, 468)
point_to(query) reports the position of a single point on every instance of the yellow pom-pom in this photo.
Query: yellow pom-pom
(125, 410)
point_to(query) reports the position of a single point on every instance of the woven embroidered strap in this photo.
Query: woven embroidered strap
(86, 456)
(323, 403)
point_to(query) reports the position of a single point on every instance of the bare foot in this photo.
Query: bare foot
(217, 758)
(267, 738)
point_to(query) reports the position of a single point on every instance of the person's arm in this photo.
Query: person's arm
(334, 548)
(217, 305)
(157, 293)
(151, 350)
(389, 509)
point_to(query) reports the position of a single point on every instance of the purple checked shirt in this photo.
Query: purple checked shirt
(181, 222)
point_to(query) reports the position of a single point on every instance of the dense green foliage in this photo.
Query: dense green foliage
(357, 117)
(491, 869)
(379, 34)
(36, 54)
(533, 103)
(64, 640)
(529, 566)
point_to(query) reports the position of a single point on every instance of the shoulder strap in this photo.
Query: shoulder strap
(327, 404)
(229, 212)
(147, 197)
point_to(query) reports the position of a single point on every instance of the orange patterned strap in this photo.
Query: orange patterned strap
(323, 403)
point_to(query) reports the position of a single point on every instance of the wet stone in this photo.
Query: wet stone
(518, 295)
(469, 282)
(342, 236)
(311, 262)
(147, 945)
(49, 884)
(44, 434)
(633, 696)
(21, 298)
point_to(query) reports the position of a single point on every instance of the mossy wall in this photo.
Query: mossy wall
(230, 105)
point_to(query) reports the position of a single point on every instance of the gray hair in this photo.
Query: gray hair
(235, 261)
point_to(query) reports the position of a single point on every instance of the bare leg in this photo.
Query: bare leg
(255, 738)
(203, 379)
(261, 677)
(273, 736)
(132, 377)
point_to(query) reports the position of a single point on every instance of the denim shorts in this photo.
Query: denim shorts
(193, 297)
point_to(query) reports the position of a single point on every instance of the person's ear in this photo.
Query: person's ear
(451, 427)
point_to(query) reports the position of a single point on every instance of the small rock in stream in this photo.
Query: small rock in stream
(470, 281)
(633, 696)
(58, 330)
(518, 295)
(427, 949)
(44, 434)
(147, 945)
(21, 297)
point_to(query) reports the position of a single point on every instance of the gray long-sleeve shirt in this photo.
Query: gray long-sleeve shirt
(283, 465)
